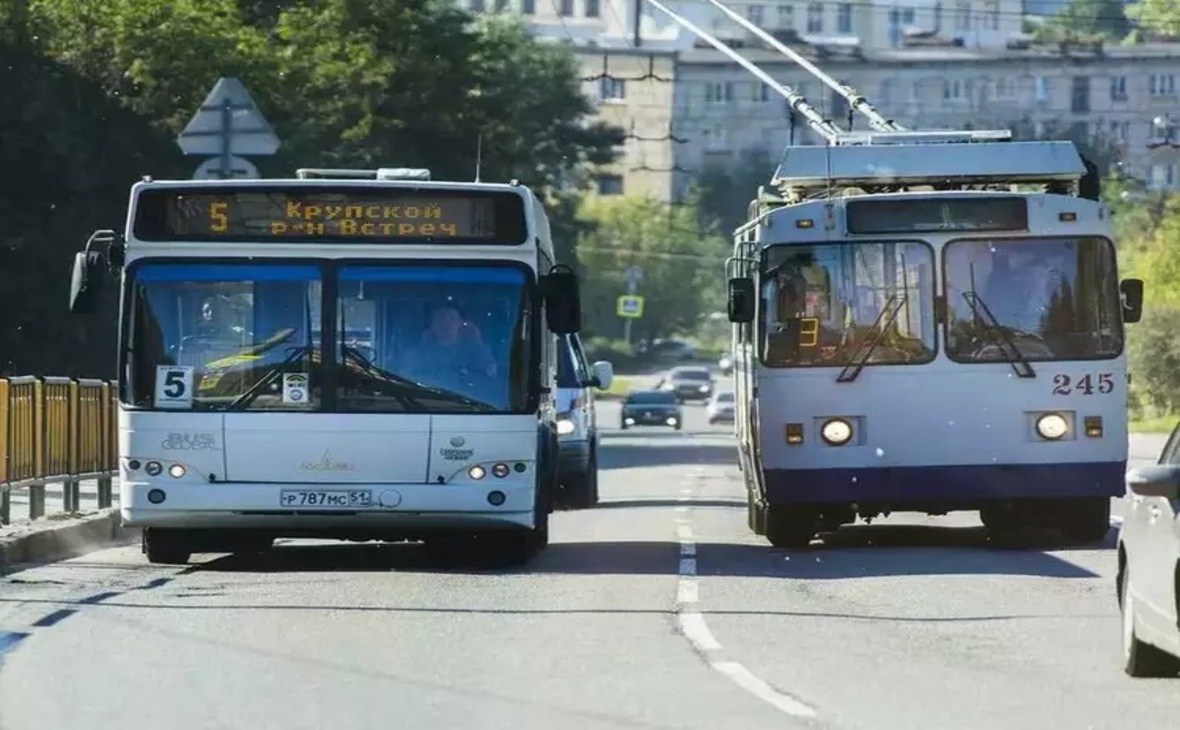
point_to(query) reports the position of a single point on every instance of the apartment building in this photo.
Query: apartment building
(703, 109)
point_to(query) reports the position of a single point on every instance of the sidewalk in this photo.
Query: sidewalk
(54, 495)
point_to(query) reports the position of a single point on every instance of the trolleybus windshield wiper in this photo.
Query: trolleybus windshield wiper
(1016, 359)
(860, 357)
(410, 390)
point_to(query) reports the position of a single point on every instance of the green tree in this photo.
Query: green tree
(683, 266)
(726, 190)
(1160, 16)
(425, 87)
(1103, 18)
(72, 155)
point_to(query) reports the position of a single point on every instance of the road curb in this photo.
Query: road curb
(48, 542)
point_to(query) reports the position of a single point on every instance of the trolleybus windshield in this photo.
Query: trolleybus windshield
(1054, 298)
(824, 303)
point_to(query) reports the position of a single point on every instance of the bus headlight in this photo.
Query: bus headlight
(836, 432)
(1052, 426)
(565, 427)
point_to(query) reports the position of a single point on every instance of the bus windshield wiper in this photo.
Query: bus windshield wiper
(411, 390)
(992, 327)
(860, 357)
(245, 399)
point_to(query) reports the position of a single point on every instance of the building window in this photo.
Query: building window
(1043, 89)
(952, 90)
(963, 15)
(756, 14)
(1162, 85)
(1163, 176)
(1118, 88)
(478, 6)
(528, 7)
(610, 184)
(717, 92)
(786, 17)
(567, 8)
(716, 138)
(815, 17)
(500, 6)
(760, 92)
(844, 18)
(1005, 88)
(1079, 95)
(592, 9)
(907, 15)
(612, 89)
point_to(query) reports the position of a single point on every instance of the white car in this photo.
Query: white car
(1149, 567)
(721, 407)
(577, 425)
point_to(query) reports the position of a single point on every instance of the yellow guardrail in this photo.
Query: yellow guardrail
(56, 431)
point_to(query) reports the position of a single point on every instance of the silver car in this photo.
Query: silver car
(577, 426)
(1149, 567)
(721, 407)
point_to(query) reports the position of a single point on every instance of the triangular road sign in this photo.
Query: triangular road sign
(249, 132)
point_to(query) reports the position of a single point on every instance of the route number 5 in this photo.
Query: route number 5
(1088, 384)
(174, 387)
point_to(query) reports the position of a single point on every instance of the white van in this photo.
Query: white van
(577, 426)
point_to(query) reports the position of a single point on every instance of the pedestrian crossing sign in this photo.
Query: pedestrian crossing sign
(630, 306)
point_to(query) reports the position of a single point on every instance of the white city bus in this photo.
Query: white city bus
(360, 355)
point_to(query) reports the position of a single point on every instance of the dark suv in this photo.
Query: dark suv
(689, 383)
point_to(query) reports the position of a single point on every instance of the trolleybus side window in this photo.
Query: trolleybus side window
(206, 335)
(825, 303)
(1053, 298)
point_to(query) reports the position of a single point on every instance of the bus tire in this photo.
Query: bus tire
(790, 529)
(164, 546)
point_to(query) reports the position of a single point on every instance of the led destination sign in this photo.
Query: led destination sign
(354, 214)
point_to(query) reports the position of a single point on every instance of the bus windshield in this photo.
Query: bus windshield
(830, 304)
(409, 337)
(1052, 298)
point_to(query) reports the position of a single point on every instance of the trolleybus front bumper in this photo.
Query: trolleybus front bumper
(953, 484)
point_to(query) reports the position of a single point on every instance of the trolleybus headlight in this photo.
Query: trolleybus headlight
(500, 471)
(1052, 426)
(565, 427)
(176, 471)
(154, 468)
(836, 432)
(476, 472)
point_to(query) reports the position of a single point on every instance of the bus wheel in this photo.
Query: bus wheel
(514, 548)
(789, 528)
(1086, 519)
(580, 491)
(166, 547)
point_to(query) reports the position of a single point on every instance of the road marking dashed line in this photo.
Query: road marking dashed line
(696, 629)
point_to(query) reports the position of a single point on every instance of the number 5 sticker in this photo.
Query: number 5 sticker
(174, 387)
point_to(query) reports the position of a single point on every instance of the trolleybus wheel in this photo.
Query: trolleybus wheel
(165, 547)
(580, 491)
(1086, 519)
(789, 528)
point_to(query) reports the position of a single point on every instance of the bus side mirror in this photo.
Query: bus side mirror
(741, 300)
(90, 269)
(563, 301)
(1131, 294)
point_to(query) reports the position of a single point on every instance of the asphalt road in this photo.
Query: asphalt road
(656, 610)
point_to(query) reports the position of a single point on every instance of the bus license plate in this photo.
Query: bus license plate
(326, 498)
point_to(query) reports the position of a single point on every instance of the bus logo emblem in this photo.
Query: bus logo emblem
(458, 441)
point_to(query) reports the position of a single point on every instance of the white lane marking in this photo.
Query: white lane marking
(694, 628)
(758, 687)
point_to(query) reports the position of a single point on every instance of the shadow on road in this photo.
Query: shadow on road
(947, 552)
(675, 452)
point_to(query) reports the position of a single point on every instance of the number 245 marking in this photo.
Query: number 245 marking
(1086, 385)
